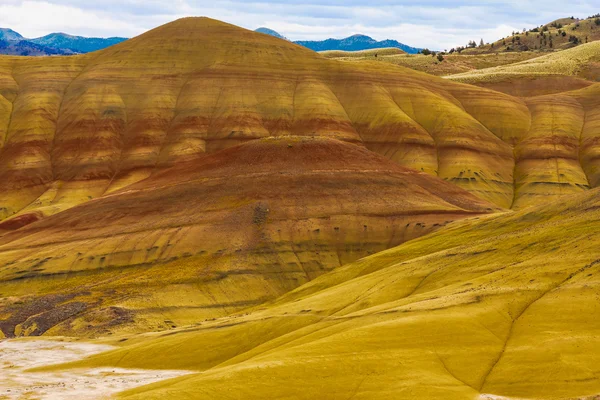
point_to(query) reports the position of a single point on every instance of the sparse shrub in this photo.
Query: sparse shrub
(597, 21)
(440, 58)
(426, 52)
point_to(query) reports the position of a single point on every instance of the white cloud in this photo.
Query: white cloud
(427, 23)
(35, 18)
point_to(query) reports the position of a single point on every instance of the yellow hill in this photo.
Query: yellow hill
(106, 120)
(367, 54)
(86, 138)
(212, 236)
(500, 306)
(572, 62)
(452, 63)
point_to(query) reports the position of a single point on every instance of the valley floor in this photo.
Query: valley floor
(17, 383)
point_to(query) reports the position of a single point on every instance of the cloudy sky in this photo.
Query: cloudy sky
(424, 23)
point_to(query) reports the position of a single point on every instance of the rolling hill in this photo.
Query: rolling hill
(581, 61)
(362, 54)
(229, 230)
(560, 34)
(80, 133)
(279, 223)
(454, 63)
(499, 307)
(76, 128)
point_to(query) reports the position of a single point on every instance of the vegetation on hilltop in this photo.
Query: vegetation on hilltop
(578, 61)
(431, 63)
(557, 35)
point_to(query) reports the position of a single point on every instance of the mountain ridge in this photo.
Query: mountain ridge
(354, 42)
(271, 32)
(57, 43)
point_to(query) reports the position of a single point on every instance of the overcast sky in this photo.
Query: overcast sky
(425, 23)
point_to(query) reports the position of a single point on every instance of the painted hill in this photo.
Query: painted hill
(218, 234)
(13, 43)
(502, 307)
(235, 194)
(78, 127)
(356, 43)
(79, 133)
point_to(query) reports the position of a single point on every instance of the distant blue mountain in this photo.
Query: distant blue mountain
(25, 48)
(356, 43)
(76, 44)
(271, 32)
(9, 35)
(13, 43)
(352, 43)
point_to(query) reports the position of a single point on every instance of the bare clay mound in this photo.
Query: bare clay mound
(18, 356)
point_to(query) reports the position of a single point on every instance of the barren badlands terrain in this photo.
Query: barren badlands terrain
(204, 211)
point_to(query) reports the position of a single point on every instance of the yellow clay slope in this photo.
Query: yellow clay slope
(212, 236)
(505, 305)
(196, 86)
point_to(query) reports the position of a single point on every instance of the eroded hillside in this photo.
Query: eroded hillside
(106, 161)
(79, 127)
(505, 305)
(210, 237)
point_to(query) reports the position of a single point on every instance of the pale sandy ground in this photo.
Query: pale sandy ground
(16, 356)
(486, 396)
